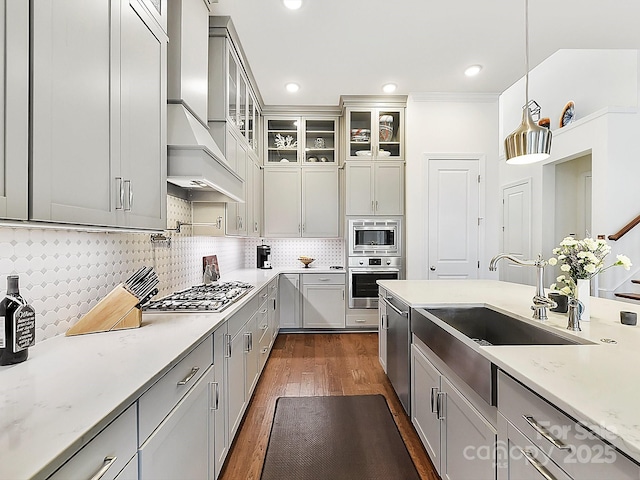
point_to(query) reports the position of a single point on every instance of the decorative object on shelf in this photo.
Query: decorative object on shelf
(363, 153)
(284, 160)
(324, 159)
(312, 159)
(386, 128)
(360, 135)
(319, 143)
(529, 143)
(545, 122)
(568, 114)
(285, 142)
(306, 260)
(580, 261)
(384, 153)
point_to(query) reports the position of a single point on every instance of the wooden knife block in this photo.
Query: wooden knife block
(117, 311)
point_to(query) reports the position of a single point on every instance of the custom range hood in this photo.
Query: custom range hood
(194, 161)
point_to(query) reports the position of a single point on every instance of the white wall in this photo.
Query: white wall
(592, 79)
(607, 126)
(443, 124)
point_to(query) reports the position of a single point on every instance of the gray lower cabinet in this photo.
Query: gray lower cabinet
(457, 437)
(323, 300)
(14, 105)
(110, 452)
(383, 325)
(221, 438)
(289, 296)
(180, 447)
(537, 440)
(236, 401)
(99, 122)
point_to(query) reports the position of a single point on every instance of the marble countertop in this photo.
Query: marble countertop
(72, 387)
(596, 384)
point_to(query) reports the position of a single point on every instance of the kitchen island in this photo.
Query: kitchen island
(595, 384)
(71, 388)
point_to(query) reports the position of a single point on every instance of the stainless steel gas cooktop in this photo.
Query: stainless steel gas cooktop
(214, 297)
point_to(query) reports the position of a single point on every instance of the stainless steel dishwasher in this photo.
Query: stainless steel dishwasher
(398, 347)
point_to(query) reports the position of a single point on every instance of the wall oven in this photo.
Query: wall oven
(375, 236)
(364, 272)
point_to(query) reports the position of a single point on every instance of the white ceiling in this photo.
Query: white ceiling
(336, 47)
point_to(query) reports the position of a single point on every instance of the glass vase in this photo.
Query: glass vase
(583, 294)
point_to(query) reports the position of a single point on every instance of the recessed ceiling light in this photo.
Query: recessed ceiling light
(389, 88)
(292, 4)
(473, 70)
(292, 87)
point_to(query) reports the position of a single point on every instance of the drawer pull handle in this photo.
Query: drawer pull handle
(537, 465)
(264, 296)
(264, 327)
(434, 391)
(106, 465)
(188, 378)
(545, 433)
(265, 349)
(263, 311)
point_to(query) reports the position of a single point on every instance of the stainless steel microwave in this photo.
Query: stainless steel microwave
(380, 237)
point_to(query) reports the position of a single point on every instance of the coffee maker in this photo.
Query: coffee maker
(264, 256)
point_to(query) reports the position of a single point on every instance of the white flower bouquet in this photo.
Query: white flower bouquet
(582, 259)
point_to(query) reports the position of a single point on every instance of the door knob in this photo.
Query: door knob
(432, 268)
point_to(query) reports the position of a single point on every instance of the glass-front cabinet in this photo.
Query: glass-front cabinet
(300, 140)
(374, 133)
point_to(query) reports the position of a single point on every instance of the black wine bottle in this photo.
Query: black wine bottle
(17, 325)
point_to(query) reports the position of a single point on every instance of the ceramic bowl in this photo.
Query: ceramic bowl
(306, 261)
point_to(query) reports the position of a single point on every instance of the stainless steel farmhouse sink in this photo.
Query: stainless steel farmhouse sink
(476, 326)
(488, 327)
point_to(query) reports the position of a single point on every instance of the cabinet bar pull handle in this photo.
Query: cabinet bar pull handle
(263, 311)
(106, 465)
(343, 294)
(251, 341)
(434, 391)
(264, 296)
(440, 405)
(246, 343)
(119, 194)
(264, 349)
(545, 433)
(216, 395)
(324, 279)
(537, 465)
(188, 378)
(376, 205)
(264, 327)
(130, 196)
(228, 339)
(372, 209)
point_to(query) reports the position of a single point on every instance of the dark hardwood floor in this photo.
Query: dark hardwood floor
(316, 364)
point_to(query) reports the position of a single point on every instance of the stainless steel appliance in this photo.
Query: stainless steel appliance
(214, 297)
(375, 236)
(364, 272)
(398, 348)
(264, 256)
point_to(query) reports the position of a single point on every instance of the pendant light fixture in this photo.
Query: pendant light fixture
(529, 143)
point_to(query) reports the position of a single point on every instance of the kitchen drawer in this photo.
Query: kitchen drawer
(158, 401)
(323, 279)
(112, 448)
(573, 447)
(264, 348)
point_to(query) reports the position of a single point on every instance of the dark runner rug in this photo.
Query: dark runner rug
(336, 438)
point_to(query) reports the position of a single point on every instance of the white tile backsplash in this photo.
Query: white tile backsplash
(63, 273)
(285, 252)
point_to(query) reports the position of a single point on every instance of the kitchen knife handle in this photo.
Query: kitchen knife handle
(188, 378)
(106, 465)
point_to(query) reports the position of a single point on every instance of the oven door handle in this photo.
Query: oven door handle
(374, 270)
(395, 309)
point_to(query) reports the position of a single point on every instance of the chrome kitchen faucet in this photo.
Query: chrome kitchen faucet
(540, 301)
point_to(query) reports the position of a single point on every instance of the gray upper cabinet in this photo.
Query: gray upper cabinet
(99, 126)
(14, 105)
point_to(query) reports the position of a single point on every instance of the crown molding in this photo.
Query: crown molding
(454, 97)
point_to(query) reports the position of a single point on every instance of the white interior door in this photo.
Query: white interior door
(454, 197)
(516, 230)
